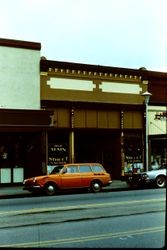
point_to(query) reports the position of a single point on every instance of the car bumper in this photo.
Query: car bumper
(108, 183)
(32, 188)
(139, 180)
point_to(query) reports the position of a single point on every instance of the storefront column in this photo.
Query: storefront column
(71, 147)
(122, 156)
(71, 138)
(122, 145)
(44, 151)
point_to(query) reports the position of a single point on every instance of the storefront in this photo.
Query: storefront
(20, 155)
(158, 136)
(96, 135)
(22, 144)
(157, 113)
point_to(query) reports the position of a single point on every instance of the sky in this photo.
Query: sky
(117, 33)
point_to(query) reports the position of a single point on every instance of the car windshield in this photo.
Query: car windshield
(57, 169)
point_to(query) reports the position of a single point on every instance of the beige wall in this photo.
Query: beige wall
(20, 78)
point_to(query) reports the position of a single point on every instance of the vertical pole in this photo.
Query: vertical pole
(46, 148)
(146, 136)
(72, 147)
(122, 145)
(71, 138)
(44, 151)
(146, 96)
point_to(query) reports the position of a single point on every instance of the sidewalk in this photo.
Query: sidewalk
(17, 191)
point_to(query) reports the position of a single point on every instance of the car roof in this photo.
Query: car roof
(82, 164)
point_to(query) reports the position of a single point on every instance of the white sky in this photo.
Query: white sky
(119, 33)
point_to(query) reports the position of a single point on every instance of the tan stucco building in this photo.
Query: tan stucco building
(98, 113)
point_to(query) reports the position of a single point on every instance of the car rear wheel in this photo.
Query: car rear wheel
(95, 186)
(50, 189)
(160, 181)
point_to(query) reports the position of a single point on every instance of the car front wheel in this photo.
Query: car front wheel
(160, 181)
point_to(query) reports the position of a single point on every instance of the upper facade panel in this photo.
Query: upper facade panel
(19, 74)
(90, 83)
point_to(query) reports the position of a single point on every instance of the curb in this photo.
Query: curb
(19, 193)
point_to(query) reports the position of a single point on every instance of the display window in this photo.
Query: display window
(20, 156)
(58, 150)
(158, 152)
(133, 158)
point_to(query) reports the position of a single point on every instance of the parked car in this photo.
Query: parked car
(92, 176)
(155, 177)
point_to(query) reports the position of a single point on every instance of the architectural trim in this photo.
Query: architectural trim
(20, 44)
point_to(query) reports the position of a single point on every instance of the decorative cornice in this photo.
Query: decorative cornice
(89, 70)
(20, 44)
(72, 73)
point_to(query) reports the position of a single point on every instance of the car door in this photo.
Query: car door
(71, 178)
(86, 175)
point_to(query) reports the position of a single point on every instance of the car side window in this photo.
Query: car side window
(72, 169)
(57, 169)
(97, 169)
(85, 169)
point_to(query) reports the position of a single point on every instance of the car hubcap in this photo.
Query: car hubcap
(50, 188)
(96, 186)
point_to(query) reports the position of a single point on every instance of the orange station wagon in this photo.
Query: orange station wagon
(92, 176)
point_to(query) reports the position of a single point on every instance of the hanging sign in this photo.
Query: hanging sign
(57, 153)
(162, 116)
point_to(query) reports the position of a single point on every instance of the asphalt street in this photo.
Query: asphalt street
(131, 218)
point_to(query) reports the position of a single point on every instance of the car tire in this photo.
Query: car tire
(160, 181)
(50, 189)
(96, 186)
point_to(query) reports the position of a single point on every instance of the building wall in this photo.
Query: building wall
(19, 74)
(100, 109)
(22, 139)
(157, 120)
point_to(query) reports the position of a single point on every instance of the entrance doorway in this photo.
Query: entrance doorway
(99, 146)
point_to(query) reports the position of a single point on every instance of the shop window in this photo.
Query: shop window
(159, 152)
(133, 153)
(4, 156)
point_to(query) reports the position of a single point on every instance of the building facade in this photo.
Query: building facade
(22, 122)
(55, 112)
(98, 115)
(158, 119)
